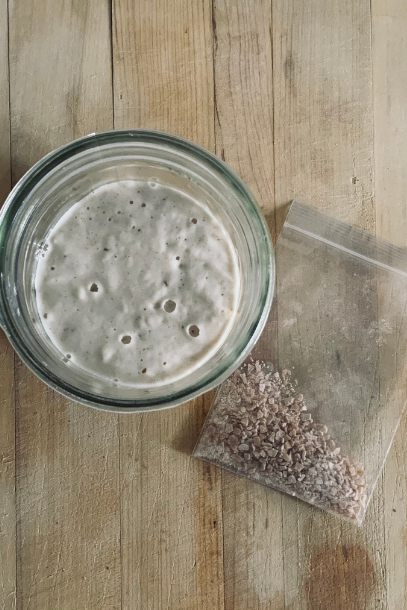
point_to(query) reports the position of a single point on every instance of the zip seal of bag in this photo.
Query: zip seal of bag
(313, 411)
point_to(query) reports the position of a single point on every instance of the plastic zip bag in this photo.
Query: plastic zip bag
(314, 410)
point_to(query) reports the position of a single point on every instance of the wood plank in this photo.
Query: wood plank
(5, 179)
(323, 107)
(244, 138)
(389, 22)
(163, 67)
(60, 76)
(244, 94)
(324, 157)
(68, 538)
(7, 398)
(171, 503)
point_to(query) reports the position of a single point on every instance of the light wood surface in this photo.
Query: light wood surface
(170, 503)
(304, 100)
(7, 397)
(67, 460)
(389, 23)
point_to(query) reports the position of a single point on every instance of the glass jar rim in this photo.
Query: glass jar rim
(85, 144)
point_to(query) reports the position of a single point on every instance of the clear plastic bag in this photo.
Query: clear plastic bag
(314, 411)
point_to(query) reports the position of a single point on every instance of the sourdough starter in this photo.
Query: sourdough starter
(137, 283)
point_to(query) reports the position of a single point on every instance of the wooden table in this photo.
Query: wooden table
(303, 99)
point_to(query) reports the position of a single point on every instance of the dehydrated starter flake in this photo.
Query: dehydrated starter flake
(259, 426)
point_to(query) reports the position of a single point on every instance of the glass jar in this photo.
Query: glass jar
(67, 175)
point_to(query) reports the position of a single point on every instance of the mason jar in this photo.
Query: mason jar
(66, 176)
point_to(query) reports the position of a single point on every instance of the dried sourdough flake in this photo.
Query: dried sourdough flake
(259, 426)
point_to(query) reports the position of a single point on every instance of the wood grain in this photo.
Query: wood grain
(244, 139)
(389, 22)
(244, 94)
(163, 75)
(68, 536)
(324, 157)
(323, 107)
(5, 174)
(171, 503)
(7, 398)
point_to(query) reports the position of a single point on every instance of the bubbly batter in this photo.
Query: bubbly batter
(137, 283)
